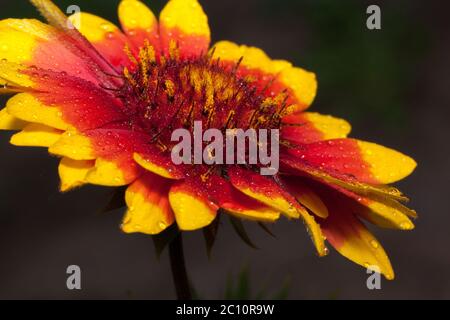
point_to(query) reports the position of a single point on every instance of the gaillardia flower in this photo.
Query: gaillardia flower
(106, 100)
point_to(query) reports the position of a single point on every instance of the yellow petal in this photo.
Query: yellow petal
(134, 14)
(9, 122)
(386, 216)
(11, 36)
(19, 41)
(276, 202)
(253, 58)
(12, 75)
(149, 210)
(94, 28)
(386, 165)
(26, 107)
(315, 232)
(36, 135)
(106, 173)
(147, 164)
(266, 214)
(187, 16)
(352, 239)
(191, 212)
(303, 84)
(73, 173)
(74, 146)
(184, 29)
(311, 201)
(330, 127)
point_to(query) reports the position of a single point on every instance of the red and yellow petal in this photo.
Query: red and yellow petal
(105, 37)
(308, 127)
(367, 162)
(306, 196)
(386, 165)
(36, 135)
(383, 212)
(112, 149)
(112, 173)
(295, 166)
(73, 173)
(265, 190)
(270, 193)
(271, 77)
(149, 209)
(41, 46)
(193, 210)
(184, 23)
(351, 238)
(139, 23)
(81, 104)
(237, 203)
(9, 122)
(158, 164)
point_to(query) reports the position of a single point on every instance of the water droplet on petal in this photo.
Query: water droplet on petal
(105, 26)
(374, 244)
(162, 225)
(406, 225)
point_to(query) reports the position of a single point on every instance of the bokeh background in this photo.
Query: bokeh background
(392, 84)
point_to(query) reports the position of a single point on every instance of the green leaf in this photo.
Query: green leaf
(240, 230)
(162, 240)
(243, 289)
(266, 229)
(117, 200)
(240, 291)
(210, 234)
(283, 294)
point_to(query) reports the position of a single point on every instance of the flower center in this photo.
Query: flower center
(162, 94)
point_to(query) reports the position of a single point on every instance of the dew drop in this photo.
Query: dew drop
(374, 244)
(162, 225)
(405, 225)
(105, 26)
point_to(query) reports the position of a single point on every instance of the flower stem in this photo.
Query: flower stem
(178, 266)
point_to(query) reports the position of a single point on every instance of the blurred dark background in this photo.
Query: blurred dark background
(392, 84)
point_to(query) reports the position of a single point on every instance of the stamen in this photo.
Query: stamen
(130, 55)
(165, 93)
